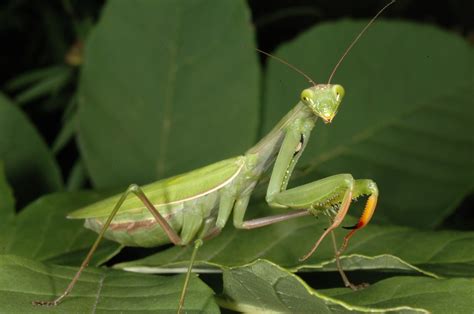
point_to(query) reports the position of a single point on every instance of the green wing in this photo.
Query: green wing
(171, 190)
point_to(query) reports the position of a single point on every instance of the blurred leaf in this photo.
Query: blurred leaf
(7, 208)
(65, 135)
(406, 120)
(434, 253)
(33, 76)
(7, 202)
(42, 232)
(166, 87)
(46, 85)
(265, 286)
(30, 167)
(77, 178)
(69, 125)
(97, 291)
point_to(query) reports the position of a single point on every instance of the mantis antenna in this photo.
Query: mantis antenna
(287, 64)
(356, 39)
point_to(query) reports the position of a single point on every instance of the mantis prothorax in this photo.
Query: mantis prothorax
(197, 205)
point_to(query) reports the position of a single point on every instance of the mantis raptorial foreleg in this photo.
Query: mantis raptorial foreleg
(360, 187)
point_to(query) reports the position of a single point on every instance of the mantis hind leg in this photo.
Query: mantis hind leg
(135, 189)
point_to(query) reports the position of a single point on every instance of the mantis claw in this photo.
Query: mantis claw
(350, 227)
(44, 303)
(360, 286)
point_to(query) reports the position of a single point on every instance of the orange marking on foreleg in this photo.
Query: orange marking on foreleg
(363, 221)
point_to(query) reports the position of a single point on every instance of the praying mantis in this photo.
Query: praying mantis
(194, 206)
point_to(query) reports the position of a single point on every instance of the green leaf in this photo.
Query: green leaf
(166, 87)
(42, 232)
(65, 135)
(33, 76)
(77, 178)
(30, 167)
(7, 202)
(392, 248)
(7, 207)
(97, 291)
(46, 86)
(264, 286)
(434, 295)
(406, 120)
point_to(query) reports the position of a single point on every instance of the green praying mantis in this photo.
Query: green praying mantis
(195, 206)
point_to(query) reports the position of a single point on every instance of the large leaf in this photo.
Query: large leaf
(435, 253)
(97, 291)
(166, 86)
(435, 295)
(7, 207)
(7, 202)
(265, 286)
(29, 166)
(407, 118)
(42, 232)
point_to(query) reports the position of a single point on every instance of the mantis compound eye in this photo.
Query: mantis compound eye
(339, 92)
(307, 96)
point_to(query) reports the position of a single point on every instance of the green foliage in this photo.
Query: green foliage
(169, 86)
(29, 165)
(54, 240)
(99, 290)
(265, 285)
(41, 82)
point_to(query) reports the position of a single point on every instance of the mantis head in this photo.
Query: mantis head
(323, 100)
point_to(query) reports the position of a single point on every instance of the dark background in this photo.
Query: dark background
(36, 34)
